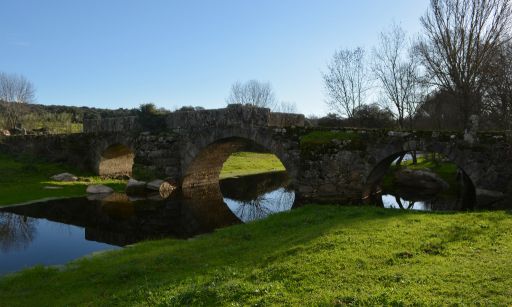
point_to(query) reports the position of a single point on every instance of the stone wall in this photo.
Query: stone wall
(157, 156)
(233, 115)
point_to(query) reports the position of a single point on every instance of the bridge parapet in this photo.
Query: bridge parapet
(115, 124)
(234, 115)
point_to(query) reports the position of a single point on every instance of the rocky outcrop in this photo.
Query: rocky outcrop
(162, 187)
(422, 179)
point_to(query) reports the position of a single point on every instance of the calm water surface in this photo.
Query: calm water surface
(56, 232)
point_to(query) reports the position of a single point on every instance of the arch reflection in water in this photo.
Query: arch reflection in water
(433, 204)
(255, 197)
(57, 231)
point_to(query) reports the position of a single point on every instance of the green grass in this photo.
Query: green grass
(250, 163)
(24, 179)
(315, 255)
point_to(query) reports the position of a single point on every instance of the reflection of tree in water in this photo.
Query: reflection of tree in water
(405, 204)
(263, 205)
(16, 231)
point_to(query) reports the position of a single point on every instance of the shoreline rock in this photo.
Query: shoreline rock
(64, 177)
(99, 189)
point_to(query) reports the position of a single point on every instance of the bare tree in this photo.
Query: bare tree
(397, 72)
(498, 94)
(15, 90)
(254, 93)
(460, 38)
(286, 107)
(346, 81)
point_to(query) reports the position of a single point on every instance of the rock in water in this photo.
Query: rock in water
(99, 189)
(64, 177)
(164, 188)
(136, 188)
(155, 185)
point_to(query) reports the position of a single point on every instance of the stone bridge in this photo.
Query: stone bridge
(325, 165)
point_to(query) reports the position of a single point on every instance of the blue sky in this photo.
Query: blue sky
(121, 53)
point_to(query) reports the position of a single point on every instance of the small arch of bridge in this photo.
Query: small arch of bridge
(204, 156)
(382, 160)
(114, 155)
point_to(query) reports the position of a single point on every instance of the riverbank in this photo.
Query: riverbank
(25, 179)
(312, 255)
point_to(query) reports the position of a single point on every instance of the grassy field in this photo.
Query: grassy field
(24, 179)
(313, 255)
(250, 163)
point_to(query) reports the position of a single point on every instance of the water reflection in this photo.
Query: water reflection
(423, 200)
(57, 231)
(434, 204)
(256, 197)
(16, 232)
(263, 205)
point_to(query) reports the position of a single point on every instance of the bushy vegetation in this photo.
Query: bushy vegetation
(364, 116)
(58, 119)
(315, 255)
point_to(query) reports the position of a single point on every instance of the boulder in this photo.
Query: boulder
(99, 189)
(136, 188)
(64, 177)
(423, 179)
(155, 185)
(164, 188)
(5, 133)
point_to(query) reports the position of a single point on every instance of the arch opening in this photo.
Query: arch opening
(116, 160)
(420, 180)
(252, 181)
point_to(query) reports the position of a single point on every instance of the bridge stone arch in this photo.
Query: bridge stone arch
(470, 162)
(205, 151)
(113, 154)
